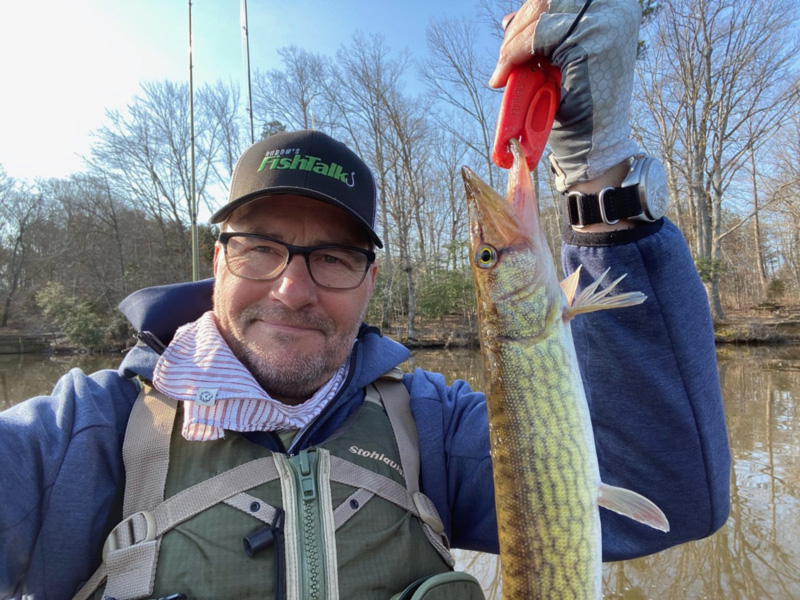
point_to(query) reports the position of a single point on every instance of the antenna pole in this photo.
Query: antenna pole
(193, 199)
(246, 49)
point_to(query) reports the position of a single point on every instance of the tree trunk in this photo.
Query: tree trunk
(759, 246)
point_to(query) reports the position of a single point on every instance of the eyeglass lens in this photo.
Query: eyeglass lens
(262, 259)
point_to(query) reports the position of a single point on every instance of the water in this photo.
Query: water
(756, 555)
(26, 375)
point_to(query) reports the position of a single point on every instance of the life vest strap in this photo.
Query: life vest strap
(131, 553)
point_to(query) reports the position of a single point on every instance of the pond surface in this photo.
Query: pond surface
(756, 555)
(26, 375)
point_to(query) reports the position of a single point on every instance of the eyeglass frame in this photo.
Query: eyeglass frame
(304, 251)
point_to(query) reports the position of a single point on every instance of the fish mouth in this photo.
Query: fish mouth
(510, 256)
(507, 221)
(492, 218)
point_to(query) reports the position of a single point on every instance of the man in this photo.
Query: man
(258, 455)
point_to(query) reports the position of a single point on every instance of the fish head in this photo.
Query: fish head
(516, 284)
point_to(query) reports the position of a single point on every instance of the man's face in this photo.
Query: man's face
(290, 333)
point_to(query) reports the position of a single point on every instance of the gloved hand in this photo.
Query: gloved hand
(591, 132)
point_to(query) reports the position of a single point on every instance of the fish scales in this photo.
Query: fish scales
(548, 470)
(546, 476)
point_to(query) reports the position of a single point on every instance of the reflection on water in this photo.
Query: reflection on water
(27, 375)
(755, 555)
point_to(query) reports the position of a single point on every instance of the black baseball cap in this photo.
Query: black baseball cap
(305, 163)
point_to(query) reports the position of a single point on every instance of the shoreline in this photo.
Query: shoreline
(768, 325)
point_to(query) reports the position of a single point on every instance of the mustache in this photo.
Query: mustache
(285, 316)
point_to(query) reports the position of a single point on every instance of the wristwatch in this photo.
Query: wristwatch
(643, 196)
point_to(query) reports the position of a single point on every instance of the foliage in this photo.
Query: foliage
(270, 128)
(649, 10)
(389, 300)
(776, 289)
(442, 293)
(708, 268)
(80, 321)
(76, 319)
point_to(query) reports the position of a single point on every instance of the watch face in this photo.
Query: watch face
(653, 189)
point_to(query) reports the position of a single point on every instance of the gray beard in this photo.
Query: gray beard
(295, 382)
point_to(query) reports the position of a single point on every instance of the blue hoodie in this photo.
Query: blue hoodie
(649, 371)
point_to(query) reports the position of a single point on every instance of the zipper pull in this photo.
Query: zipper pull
(308, 480)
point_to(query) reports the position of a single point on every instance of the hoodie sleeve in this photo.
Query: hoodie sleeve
(59, 478)
(456, 469)
(651, 379)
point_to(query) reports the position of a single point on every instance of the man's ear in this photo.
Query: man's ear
(217, 256)
(371, 275)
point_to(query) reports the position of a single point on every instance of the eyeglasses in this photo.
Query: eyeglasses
(262, 258)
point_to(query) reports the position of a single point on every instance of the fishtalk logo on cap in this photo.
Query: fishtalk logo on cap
(275, 160)
(305, 163)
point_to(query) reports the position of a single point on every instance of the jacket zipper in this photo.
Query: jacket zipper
(312, 552)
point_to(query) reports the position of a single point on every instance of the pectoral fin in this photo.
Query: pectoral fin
(633, 505)
(570, 285)
(590, 299)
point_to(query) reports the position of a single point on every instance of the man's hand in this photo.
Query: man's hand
(591, 133)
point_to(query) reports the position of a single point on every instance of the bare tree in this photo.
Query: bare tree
(96, 215)
(455, 74)
(759, 254)
(364, 75)
(721, 71)
(447, 158)
(295, 94)
(221, 104)
(407, 136)
(787, 155)
(21, 208)
(144, 153)
(782, 194)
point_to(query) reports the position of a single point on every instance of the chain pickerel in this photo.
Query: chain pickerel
(546, 478)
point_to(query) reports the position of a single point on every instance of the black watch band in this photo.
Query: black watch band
(609, 206)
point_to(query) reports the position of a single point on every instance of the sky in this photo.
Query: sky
(64, 63)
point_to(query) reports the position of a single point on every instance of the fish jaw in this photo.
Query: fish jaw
(511, 262)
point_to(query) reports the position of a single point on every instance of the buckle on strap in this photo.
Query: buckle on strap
(578, 210)
(427, 512)
(139, 528)
(601, 200)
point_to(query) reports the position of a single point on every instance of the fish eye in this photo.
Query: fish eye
(486, 257)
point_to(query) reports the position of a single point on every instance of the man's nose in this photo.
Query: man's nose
(294, 287)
